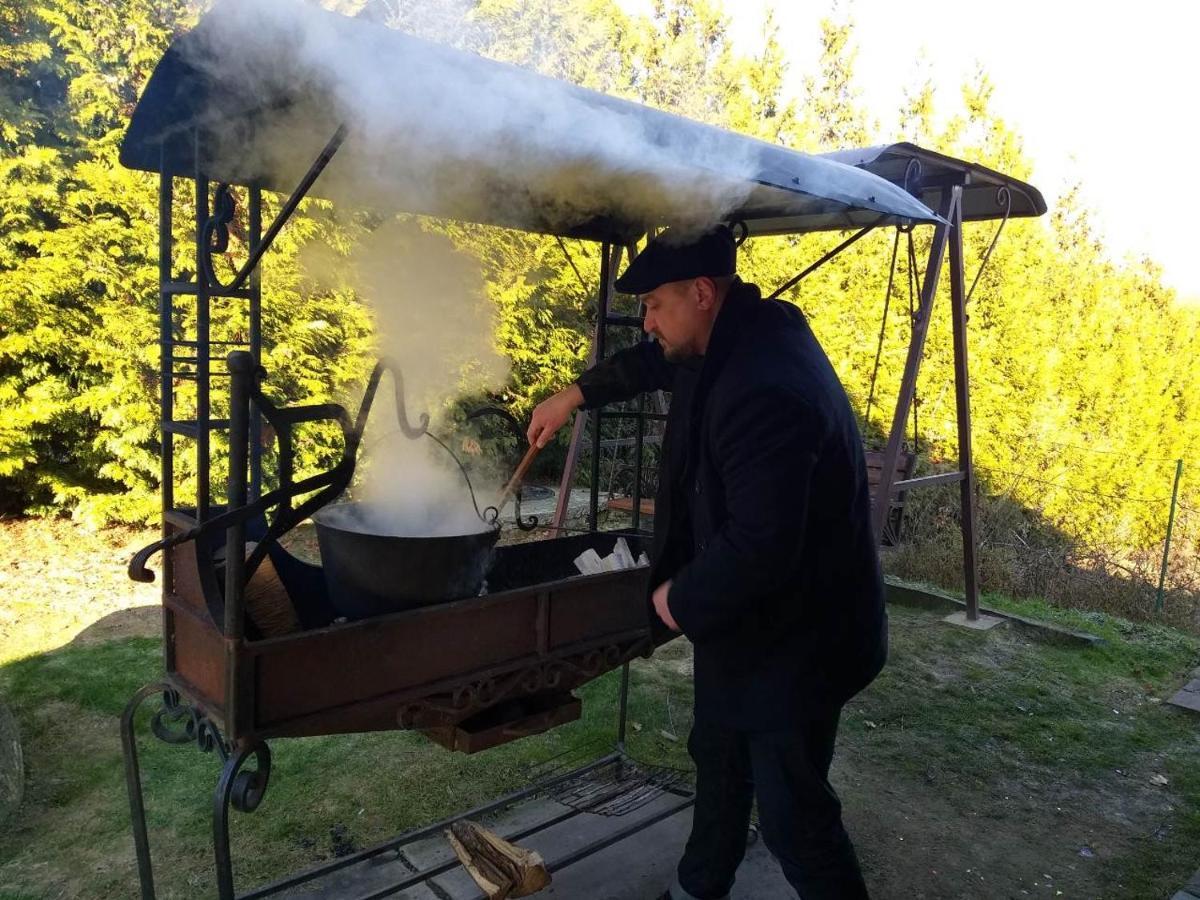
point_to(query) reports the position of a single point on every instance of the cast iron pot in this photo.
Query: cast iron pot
(372, 574)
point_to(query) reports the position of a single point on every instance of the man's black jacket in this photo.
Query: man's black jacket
(762, 516)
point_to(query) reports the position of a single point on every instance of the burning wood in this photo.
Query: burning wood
(499, 868)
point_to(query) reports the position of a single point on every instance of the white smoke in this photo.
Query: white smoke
(439, 131)
(433, 130)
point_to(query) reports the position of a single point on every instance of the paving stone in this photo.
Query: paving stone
(982, 623)
(637, 868)
(1193, 886)
(361, 878)
(1187, 700)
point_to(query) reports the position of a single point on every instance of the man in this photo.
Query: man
(764, 556)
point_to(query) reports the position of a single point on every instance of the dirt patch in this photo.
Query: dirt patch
(58, 579)
(1039, 835)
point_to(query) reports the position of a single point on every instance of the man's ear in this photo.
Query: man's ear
(706, 292)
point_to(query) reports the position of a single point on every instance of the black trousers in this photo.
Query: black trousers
(800, 816)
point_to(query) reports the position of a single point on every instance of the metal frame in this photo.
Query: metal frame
(181, 719)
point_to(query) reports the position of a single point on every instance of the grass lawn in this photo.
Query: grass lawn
(982, 765)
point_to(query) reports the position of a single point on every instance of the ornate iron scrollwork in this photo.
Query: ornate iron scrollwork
(451, 706)
(177, 722)
(216, 232)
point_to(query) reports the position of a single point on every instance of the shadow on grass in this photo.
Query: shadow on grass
(327, 795)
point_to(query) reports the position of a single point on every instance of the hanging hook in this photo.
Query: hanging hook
(216, 231)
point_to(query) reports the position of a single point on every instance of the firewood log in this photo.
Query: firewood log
(500, 869)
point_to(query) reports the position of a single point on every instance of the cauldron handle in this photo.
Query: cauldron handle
(515, 427)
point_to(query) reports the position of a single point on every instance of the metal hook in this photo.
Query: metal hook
(216, 231)
(523, 523)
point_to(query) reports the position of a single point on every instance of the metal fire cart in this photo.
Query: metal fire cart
(542, 629)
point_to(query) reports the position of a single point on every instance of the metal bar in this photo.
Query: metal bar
(927, 481)
(607, 264)
(563, 504)
(133, 784)
(625, 321)
(570, 859)
(241, 367)
(636, 517)
(618, 836)
(453, 863)
(962, 395)
(571, 262)
(190, 287)
(623, 715)
(887, 301)
(1003, 196)
(640, 442)
(651, 417)
(787, 285)
(192, 344)
(425, 831)
(202, 335)
(191, 428)
(289, 207)
(908, 383)
(222, 797)
(1162, 575)
(256, 449)
(166, 396)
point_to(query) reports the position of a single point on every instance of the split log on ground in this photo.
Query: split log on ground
(499, 868)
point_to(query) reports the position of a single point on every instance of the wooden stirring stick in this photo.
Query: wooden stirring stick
(514, 483)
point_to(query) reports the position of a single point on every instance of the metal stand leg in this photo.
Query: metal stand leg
(133, 783)
(244, 791)
(624, 707)
(180, 723)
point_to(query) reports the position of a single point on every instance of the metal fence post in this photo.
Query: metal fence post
(1162, 576)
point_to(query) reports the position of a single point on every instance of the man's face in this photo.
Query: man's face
(675, 317)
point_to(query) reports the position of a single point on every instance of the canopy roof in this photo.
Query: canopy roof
(257, 89)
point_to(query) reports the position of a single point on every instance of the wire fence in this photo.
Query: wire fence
(1113, 548)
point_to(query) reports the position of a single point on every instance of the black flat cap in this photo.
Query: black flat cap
(675, 257)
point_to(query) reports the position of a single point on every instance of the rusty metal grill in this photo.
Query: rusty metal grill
(616, 788)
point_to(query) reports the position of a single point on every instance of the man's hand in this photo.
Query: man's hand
(660, 605)
(552, 413)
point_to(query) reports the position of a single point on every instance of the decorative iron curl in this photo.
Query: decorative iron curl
(740, 231)
(250, 786)
(244, 791)
(216, 232)
(174, 722)
(912, 172)
(180, 723)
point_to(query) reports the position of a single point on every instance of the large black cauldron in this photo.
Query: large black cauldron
(369, 573)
